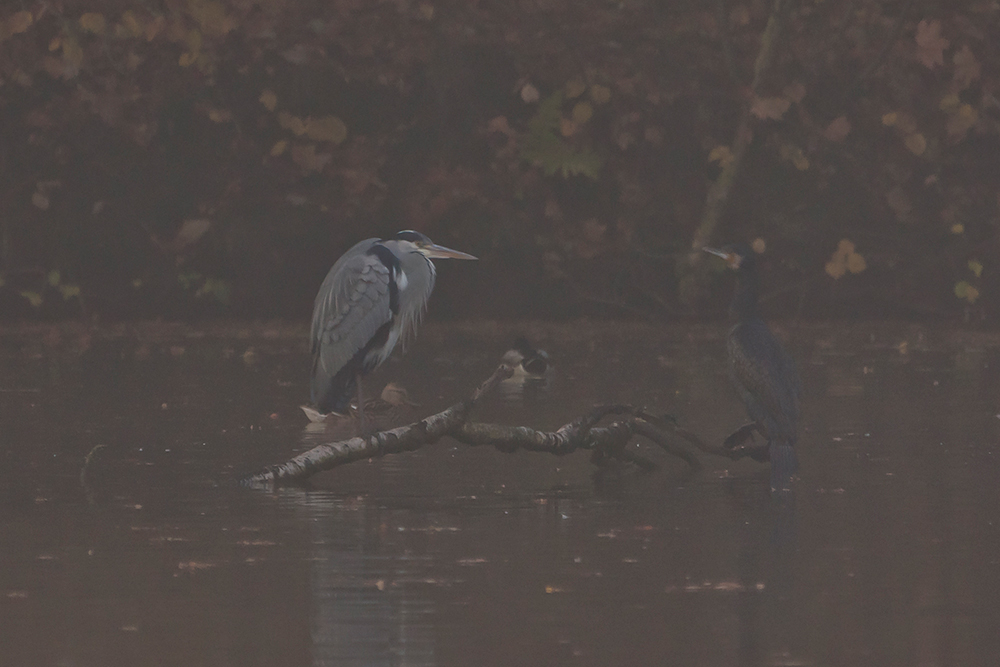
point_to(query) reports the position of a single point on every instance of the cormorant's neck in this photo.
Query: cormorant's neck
(744, 305)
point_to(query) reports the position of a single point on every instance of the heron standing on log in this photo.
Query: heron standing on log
(373, 297)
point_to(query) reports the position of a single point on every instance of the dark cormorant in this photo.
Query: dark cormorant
(762, 371)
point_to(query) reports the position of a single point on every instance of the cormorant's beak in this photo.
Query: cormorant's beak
(435, 251)
(732, 259)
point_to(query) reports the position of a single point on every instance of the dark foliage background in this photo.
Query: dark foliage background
(202, 157)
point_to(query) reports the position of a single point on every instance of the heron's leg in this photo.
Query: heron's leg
(362, 425)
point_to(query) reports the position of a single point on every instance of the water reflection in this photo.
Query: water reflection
(887, 554)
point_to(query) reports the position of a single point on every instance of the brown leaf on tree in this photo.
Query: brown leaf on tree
(930, 43)
(772, 108)
(967, 68)
(838, 129)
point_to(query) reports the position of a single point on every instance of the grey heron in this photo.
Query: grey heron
(372, 298)
(764, 373)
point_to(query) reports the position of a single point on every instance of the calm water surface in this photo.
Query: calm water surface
(888, 553)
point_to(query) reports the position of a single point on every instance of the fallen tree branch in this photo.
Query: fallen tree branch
(606, 443)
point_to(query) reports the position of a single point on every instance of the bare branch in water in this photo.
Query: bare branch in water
(606, 443)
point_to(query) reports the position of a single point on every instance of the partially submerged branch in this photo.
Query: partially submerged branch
(606, 443)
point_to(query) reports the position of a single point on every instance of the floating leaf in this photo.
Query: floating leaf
(845, 259)
(93, 22)
(40, 200)
(721, 154)
(187, 59)
(582, 112)
(278, 148)
(976, 267)
(567, 127)
(53, 278)
(889, 119)
(836, 268)
(758, 245)
(327, 128)
(34, 298)
(211, 17)
(838, 129)
(600, 94)
(269, 100)
(916, 143)
(575, 87)
(967, 68)
(769, 107)
(958, 228)
(930, 43)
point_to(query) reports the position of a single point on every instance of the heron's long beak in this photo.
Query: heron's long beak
(732, 259)
(435, 251)
(717, 252)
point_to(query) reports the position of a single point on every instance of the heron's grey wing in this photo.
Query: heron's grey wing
(766, 377)
(352, 305)
(327, 290)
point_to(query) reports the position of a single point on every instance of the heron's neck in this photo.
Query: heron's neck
(744, 305)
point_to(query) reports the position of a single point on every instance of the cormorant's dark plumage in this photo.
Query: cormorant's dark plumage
(762, 371)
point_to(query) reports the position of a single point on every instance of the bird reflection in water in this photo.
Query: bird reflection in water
(532, 372)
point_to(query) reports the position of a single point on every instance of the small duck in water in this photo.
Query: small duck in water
(526, 360)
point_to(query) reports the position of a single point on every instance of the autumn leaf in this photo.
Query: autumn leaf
(220, 115)
(529, 94)
(269, 100)
(19, 22)
(327, 128)
(949, 103)
(960, 122)
(582, 112)
(889, 119)
(278, 148)
(758, 245)
(967, 68)
(916, 143)
(93, 22)
(130, 25)
(40, 200)
(792, 153)
(796, 92)
(772, 108)
(957, 228)
(575, 87)
(34, 298)
(69, 291)
(293, 124)
(930, 43)
(845, 258)
(838, 129)
(976, 267)
(721, 154)
(308, 159)
(963, 290)
(567, 127)
(600, 94)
